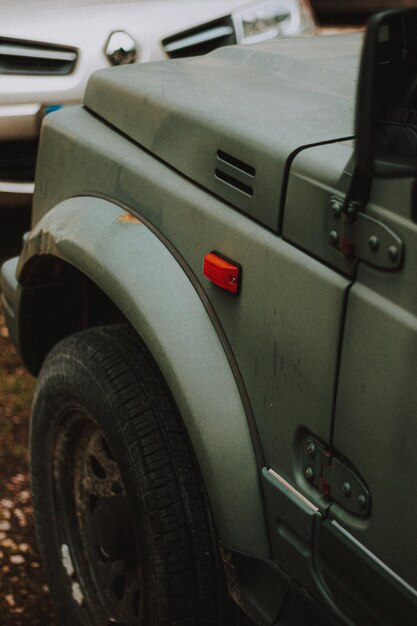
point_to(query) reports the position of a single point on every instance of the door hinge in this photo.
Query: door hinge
(333, 476)
(365, 239)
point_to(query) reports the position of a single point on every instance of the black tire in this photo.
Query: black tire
(122, 516)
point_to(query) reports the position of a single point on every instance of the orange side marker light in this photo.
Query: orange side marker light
(222, 271)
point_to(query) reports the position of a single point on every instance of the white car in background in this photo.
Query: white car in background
(49, 48)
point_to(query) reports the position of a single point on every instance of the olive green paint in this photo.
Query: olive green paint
(131, 265)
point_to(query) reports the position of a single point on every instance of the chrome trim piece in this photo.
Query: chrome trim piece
(375, 559)
(198, 38)
(21, 50)
(121, 48)
(19, 121)
(16, 187)
(19, 110)
(293, 490)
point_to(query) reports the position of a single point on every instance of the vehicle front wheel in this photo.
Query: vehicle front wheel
(122, 516)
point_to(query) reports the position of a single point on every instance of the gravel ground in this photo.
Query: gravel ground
(24, 597)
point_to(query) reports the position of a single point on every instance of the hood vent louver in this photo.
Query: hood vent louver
(235, 173)
(201, 40)
(20, 57)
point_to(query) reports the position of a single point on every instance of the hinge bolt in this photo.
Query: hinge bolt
(361, 500)
(393, 253)
(309, 473)
(373, 242)
(336, 207)
(311, 448)
(333, 238)
(347, 489)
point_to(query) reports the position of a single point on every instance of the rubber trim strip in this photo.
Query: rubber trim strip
(280, 200)
(403, 583)
(250, 418)
(286, 176)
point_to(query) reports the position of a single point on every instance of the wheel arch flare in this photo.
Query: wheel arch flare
(134, 276)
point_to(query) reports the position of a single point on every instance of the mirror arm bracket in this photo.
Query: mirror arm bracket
(361, 237)
(355, 201)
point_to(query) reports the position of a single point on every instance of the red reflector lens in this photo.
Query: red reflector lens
(221, 272)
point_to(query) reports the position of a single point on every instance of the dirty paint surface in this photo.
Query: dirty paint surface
(128, 218)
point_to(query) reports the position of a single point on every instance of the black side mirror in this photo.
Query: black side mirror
(386, 113)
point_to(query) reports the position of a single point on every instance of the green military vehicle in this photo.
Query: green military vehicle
(218, 295)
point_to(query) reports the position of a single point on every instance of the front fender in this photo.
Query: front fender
(133, 265)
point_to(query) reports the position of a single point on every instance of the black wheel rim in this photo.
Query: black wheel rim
(95, 526)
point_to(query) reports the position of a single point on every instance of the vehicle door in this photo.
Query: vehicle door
(374, 554)
(365, 547)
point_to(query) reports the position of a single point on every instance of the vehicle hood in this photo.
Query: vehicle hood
(232, 120)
